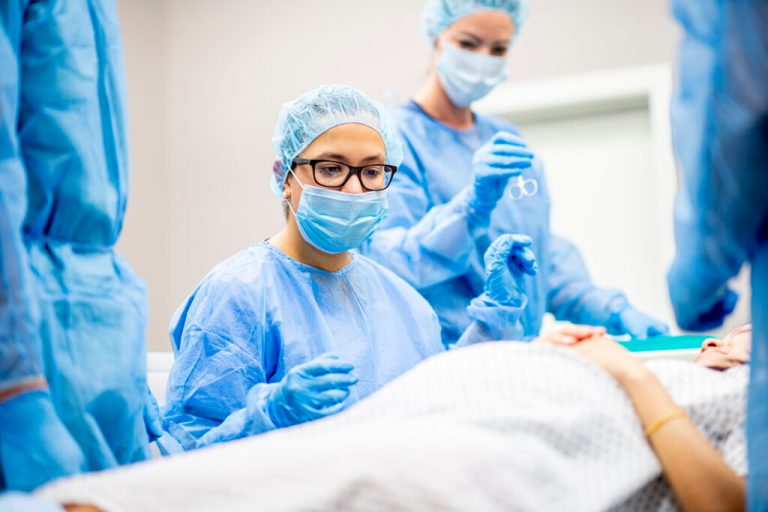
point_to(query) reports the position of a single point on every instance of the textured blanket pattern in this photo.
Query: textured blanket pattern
(596, 451)
(497, 426)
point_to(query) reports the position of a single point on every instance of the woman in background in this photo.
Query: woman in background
(466, 178)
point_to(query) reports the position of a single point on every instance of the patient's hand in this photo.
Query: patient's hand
(610, 356)
(570, 334)
(591, 344)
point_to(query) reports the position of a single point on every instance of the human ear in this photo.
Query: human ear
(287, 188)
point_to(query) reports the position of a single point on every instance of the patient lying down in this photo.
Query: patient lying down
(572, 421)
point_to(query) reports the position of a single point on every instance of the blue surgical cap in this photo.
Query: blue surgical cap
(301, 121)
(437, 15)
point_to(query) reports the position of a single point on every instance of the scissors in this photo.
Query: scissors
(523, 188)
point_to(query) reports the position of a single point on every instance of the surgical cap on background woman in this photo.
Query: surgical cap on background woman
(437, 15)
(301, 121)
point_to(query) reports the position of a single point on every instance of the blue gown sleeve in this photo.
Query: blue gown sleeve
(720, 116)
(20, 349)
(218, 386)
(492, 321)
(571, 294)
(424, 244)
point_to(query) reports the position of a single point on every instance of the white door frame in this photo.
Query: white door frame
(639, 88)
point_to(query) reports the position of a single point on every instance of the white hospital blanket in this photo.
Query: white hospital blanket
(497, 426)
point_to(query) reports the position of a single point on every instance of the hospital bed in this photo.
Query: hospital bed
(495, 426)
(158, 367)
(684, 347)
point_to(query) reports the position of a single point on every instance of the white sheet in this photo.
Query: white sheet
(498, 426)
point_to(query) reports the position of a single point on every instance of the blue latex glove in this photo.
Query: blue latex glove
(35, 447)
(699, 308)
(507, 260)
(152, 417)
(714, 316)
(311, 390)
(629, 320)
(500, 159)
(22, 502)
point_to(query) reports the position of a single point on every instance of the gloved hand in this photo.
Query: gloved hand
(507, 259)
(35, 446)
(701, 298)
(22, 502)
(311, 390)
(717, 314)
(152, 421)
(501, 158)
(628, 320)
(691, 318)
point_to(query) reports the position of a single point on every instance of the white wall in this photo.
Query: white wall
(145, 240)
(206, 79)
(600, 170)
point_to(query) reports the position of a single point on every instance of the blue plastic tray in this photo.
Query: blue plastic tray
(658, 343)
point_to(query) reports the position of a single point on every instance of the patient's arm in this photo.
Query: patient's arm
(698, 475)
(696, 472)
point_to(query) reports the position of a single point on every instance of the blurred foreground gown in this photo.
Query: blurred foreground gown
(720, 122)
(71, 309)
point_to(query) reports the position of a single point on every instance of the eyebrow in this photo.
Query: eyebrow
(743, 328)
(337, 156)
(471, 36)
(500, 42)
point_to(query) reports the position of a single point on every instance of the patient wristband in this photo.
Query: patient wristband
(656, 425)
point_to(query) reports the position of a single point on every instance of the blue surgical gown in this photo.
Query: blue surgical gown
(260, 313)
(431, 241)
(71, 309)
(720, 122)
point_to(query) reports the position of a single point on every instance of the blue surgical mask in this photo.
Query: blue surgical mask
(468, 76)
(335, 222)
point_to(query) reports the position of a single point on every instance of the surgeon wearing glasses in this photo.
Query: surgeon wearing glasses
(298, 327)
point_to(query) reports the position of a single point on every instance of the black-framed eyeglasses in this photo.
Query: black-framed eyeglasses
(330, 173)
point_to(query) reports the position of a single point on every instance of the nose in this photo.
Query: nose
(709, 343)
(353, 185)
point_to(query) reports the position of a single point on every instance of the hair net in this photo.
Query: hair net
(438, 14)
(301, 121)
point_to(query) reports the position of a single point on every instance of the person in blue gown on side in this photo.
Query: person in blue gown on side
(467, 178)
(720, 134)
(297, 327)
(73, 394)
